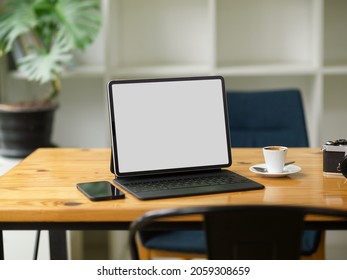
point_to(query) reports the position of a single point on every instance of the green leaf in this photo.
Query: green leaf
(58, 26)
(80, 20)
(13, 24)
(45, 66)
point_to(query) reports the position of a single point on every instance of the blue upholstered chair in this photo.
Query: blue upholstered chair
(256, 119)
(263, 118)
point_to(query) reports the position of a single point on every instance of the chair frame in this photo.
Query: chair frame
(152, 218)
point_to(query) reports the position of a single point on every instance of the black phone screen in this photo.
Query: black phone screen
(101, 190)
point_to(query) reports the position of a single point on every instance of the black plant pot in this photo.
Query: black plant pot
(24, 130)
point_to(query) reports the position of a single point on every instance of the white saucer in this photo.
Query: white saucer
(290, 169)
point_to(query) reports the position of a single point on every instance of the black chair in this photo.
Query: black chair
(255, 232)
(256, 119)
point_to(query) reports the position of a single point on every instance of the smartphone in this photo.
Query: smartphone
(101, 190)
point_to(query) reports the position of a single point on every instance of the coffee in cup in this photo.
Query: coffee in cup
(275, 157)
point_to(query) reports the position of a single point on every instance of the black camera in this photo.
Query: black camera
(335, 157)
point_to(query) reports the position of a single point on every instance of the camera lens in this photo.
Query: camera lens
(343, 166)
(341, 142)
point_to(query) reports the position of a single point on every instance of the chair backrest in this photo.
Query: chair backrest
(241, 231)
(263, 118)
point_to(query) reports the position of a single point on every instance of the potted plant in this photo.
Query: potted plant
(41, 35)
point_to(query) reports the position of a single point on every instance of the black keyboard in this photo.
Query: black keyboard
(190, 182)
(185, 185)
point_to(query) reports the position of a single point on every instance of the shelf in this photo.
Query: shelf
(261, 33)
(335, 35)
(157, 32)
(85, 71)
(251, 70)
(161, 71)
(267, 70)
(335, 70)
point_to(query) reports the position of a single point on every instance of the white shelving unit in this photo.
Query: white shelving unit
(253, 44)
(260, 44)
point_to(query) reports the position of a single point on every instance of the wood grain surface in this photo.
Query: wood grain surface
(42, 187)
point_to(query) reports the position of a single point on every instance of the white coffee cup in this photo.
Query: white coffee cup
(275, 157)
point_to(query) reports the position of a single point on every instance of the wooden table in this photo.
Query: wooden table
(40, 192)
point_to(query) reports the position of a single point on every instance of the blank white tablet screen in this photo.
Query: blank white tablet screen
(169, 125)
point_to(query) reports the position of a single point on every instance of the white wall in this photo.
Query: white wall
(81, 119)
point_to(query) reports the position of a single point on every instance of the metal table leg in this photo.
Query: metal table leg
(58, 245)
